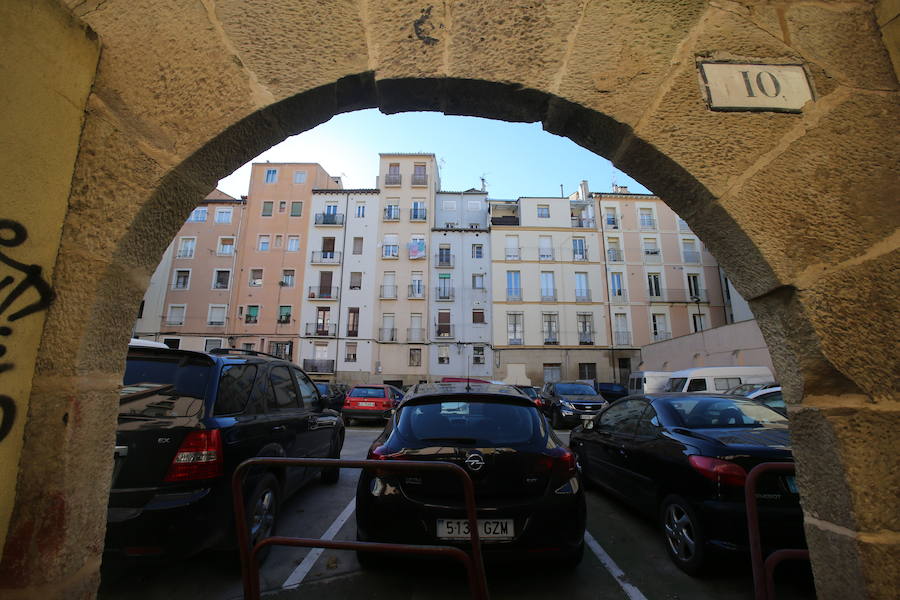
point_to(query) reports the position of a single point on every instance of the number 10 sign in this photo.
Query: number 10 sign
(754, 87)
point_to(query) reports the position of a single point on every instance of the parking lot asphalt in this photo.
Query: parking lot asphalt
(625, 559)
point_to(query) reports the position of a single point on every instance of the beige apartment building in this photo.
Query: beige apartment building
(272, 256)
(408, 183)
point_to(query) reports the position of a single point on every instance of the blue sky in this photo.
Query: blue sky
(516, 159)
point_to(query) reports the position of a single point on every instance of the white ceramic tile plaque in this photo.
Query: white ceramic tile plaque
(730, 86)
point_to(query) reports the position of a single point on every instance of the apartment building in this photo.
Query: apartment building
(408, 183)
(549, 315)
(338, 312)
(273, 256)
(460, 303)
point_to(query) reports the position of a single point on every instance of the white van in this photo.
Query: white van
(645, 382)
(716, 380)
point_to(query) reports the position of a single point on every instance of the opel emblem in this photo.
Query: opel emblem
(475, 462)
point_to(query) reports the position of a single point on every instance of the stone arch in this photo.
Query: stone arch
(163, 124)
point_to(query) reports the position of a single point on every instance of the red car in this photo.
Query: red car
(370, 402)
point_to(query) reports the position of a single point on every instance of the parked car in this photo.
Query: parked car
(611, 391)
(715, 380)
(646, 382)
(566, 403)
(683, 459)
(771, 397)
(186, 420)
(745, 389)
(370, 402)
(532, 392)
(529, 495)
(334, 394)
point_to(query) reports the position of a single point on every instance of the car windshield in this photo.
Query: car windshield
(711, 413)
(164, 387)
(528, 391)
(469, 423)
(675, 384)
(323, 388)
(574, 389)
(367, 392)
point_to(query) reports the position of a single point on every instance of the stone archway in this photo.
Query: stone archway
(797, 207)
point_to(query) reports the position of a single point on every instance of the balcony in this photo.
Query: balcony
(618, 297)
(583, 223)
(418, 214)
(551, 338)
(415, 292)
(391, 213)
(323, 293)
(648, 224)
(284, 319)
(580, 255)
(444, 260)
(506, 220)
(445, 293)
(652, 256)
(175, 321)
(251, 319)
(615, 255)
(656, 295)
(329, 219)
(622, 338)
(548, 294)
(325, 257)
(419, 179)
(321, 329)
(318, 365)
(415, 334)
(546, 254)
(444, 331)
(513, 254)
(515, 341)
(352, 332)
(659, 336)
(393, 179)
(611, 222)
(388, 292)
(582, 295)
(585, 338)
(180, 285)
(387, 334)
(683, 295)
(513, 294)
(691, 257)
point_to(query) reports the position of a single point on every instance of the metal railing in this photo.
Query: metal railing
(515, 341)
(444, 293)
(652, 256)
(444, 260)
(216, 323)
(329, 219)
(391, 213)
(647, 224)
(444, 331)
(325, 257)
(393, 179)
(249, 554)
(419, 179)
(321, 329)
(582, 295)
(323, 293)
(283, 319)
(180, 286)
(683, 295)
(661, 335)
(505, 220)
(618, 297)
(387, 334)
(170, 321)
(580, 255)
(548, 294)
(622, 338)
(415, 334)
(318, 365)
(388, 292)
(611, 222)
(585, 338)
(691, 256)
(546, 254)
(513, 294)
(513, 254)
(415, 292)
(578, 222)
(615, 255)
(551, 338)
(418, 214)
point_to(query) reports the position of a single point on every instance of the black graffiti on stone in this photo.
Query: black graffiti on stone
(8, 416)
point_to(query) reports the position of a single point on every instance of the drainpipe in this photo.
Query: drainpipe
(340, 310)
(612, 345)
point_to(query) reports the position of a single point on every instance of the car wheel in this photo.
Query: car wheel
(332, 475)
(682, 534)
(261, 509)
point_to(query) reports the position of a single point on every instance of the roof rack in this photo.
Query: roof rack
(242, 351)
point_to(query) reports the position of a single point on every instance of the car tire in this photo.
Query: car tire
(682, 534)
(261, 510)
(332, 475)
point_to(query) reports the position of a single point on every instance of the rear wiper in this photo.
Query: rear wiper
(461, 440)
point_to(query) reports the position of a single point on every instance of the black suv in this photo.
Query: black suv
(186, 420)
(567, 403)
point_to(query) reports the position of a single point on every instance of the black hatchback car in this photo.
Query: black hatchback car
(186, 420)
(528, 492)
(683, 459)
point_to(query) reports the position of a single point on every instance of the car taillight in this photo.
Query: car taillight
(198, 457)
(718, 470)
(559, 461)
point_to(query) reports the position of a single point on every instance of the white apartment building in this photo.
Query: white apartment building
(460, 303)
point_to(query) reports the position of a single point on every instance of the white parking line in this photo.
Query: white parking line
(303, 569)
(630, 590)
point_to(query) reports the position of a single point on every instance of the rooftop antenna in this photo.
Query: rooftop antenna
(483, 182)
(561, 195)
(614, 185)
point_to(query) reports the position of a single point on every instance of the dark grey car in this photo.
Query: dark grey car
(567, 403)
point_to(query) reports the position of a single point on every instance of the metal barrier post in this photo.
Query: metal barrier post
(764, 570)
(249, 565)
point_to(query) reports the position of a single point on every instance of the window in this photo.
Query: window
(699, 385)
(477, 355)
(548, 286)
(545, 248)
(477, 251)
(353, 321)
(444, 290)
(284, 394)
(296, 209)
(235, 385)
(211, 344)
(357, 245)
(659, 327)
(221, 279)
(515, 327)
(271, 175)
(350, 352)
(653, 287)
(248, 345)
(478, 316)
(223, 215)
(448, 205)
(690, 252)
(473, 205)
(512, 247)
(390, 247)
(216, 314)
(550, 326)
(256, 277)
(417, 285)
(186, 247)
(444, 328)
(513, 285)
(263, 243)
(615, 285)
(416, 247)
(176, 314)
(417, 213)
(443, 354)
(582, 291)
(587, 371)
(698, 322)
(173, 343)
(419, 176)
(287, 277)
(282, 350)
(622, 417)
(444, 257)
(278, 241)
(299, 176)
(252, 315)
(225, 247)
(198, 215)
(693, 280)
(478, 281)
(356, 280)
(391, 212)
(543, 211)
(647, 221)
(182, 280)
(552, 372)
(284, 314)
(415, 357)
(267, 209)
(726, 383)
(584, 323)
(360, 210)
(579, 250)
(282, 206)
(393, 174)
(293, 243)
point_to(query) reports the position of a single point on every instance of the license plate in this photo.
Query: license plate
(458, 529)
(791, 482)
(367, 404)
(587, 417)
